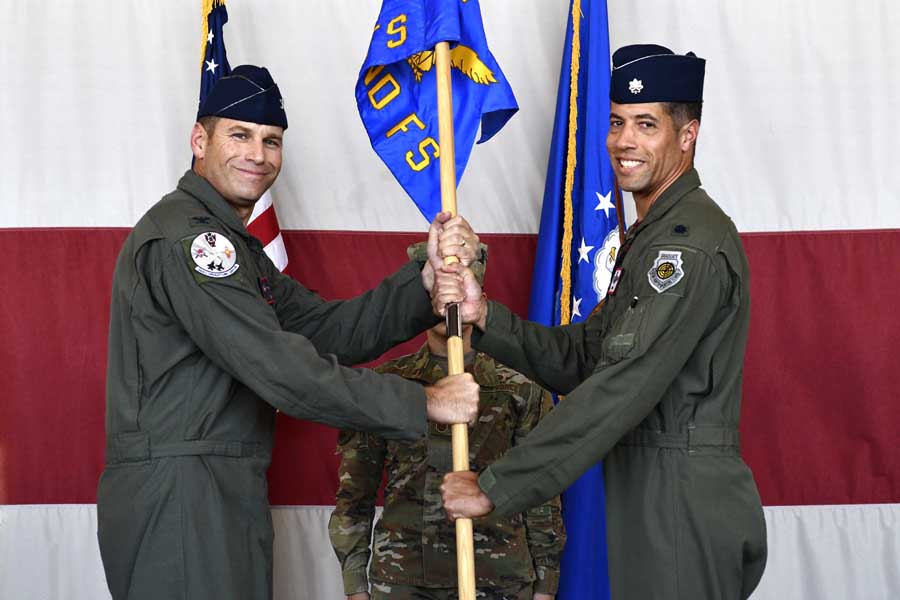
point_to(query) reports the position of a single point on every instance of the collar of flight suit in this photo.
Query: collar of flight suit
(202, 190)
(689, 180)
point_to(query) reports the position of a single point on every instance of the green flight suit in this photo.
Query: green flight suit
(205, 344)
(653, 388)
(414, 548)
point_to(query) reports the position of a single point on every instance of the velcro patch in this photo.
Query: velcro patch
(666, 270)
(614, 282)
(265, 288)
(214, 255)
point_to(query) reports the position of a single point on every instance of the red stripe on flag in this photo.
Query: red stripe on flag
(265, 227)
(819, 414)
(54, 316)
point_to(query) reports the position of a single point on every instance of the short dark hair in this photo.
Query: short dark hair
(683, 112)
(209, 123)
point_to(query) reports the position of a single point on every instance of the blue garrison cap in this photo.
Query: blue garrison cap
(247, 94)
(648, 73)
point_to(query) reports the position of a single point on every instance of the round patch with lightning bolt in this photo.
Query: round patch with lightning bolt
(214, 255)
(667, 270)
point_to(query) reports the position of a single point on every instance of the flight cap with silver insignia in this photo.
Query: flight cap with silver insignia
(645, 73)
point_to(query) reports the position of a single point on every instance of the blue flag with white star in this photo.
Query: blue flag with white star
(215, 61)
(397, 97)
(575, 259)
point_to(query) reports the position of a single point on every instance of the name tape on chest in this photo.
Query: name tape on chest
(214, 255)
(666, 270)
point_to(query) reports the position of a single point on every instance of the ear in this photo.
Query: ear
(688, 135)
(199, 141)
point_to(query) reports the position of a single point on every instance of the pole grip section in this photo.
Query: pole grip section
(465, 559)
(465, 549)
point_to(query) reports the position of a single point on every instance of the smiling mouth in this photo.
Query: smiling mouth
(252, 174)
(630, 164)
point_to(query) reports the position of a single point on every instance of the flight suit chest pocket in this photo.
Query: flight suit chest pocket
(624, 334)
(403, 458)
(407, 452)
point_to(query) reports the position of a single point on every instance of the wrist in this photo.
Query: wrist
(427, 277)
(481, 323)
(429, 400)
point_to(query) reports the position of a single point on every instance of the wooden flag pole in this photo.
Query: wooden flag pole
(465, 549)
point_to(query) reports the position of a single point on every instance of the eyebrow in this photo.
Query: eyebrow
(243, 129)
(646, 116)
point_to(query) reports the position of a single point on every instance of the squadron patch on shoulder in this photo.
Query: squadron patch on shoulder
(214, 255)
(666, 270)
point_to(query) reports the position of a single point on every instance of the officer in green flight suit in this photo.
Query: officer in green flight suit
(653, 379)
(207, 339)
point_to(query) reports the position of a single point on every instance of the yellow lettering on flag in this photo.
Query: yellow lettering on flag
(404, 125)
(393, 29)
(423, 147)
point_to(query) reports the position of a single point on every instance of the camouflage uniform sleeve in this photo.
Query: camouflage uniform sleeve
(350, 526)
(544, 529)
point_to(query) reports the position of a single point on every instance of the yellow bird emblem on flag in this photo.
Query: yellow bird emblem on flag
(462, 58)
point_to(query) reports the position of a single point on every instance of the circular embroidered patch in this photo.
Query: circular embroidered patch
(665, 270)
(214, 255)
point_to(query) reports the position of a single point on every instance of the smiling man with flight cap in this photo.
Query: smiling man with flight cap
(207, 339)
(653, 379)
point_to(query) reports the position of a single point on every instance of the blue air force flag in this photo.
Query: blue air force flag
(576, 254)
(397, 97)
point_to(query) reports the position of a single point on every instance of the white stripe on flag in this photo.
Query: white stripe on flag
(275, 249)
(261, 205)
(277, 252)
(815, 553)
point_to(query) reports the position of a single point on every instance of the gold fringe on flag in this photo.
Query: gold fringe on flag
(206, 7)
(565, 294)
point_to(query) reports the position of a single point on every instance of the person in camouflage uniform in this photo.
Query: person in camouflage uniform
(415, 545)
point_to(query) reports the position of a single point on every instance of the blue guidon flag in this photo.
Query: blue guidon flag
(397, 97)
(577, 245)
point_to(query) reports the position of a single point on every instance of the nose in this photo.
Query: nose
(623, 139)
(255, 151)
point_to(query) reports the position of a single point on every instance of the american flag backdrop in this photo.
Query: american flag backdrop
(96, 103)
